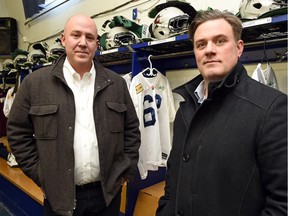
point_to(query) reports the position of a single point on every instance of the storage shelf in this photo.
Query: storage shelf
(177, 52)
(265, 28)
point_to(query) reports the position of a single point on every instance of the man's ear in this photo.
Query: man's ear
(63, 39)
(240, 47)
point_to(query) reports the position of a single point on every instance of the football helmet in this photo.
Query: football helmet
(42, 45)
(116, 37)
(252, 9)
(20, 60)
(19, 57)
(35, 57)
(55, 51)
(169, 22)
(8, 64)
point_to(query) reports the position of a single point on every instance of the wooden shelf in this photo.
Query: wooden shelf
(21, 181)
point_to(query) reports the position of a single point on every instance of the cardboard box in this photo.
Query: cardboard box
(147, 200)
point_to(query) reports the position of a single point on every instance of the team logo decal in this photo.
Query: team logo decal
(138, 88)
(161, 87)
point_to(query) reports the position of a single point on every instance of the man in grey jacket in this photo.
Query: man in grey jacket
(73, 129)
(229, 153)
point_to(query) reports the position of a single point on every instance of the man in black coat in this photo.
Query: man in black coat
(229, 153)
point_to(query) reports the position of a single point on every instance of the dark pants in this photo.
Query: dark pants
(90, 202)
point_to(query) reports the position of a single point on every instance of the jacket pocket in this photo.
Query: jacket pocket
(116, 113)
(44, 118)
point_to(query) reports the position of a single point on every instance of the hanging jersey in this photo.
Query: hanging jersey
(154, 105)
(266, 76)
(8, 102)
(128, 78)
(3, 118)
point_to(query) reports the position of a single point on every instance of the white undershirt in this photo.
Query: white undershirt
(87, 166)
(199, 92)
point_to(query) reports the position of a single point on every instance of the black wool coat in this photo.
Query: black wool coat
(229, 154)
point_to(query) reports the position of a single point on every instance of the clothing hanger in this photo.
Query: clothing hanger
(152, 72)
(265, 58)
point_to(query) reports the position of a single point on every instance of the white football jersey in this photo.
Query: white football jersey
(153, 100)
(128, 78)
(8, 101)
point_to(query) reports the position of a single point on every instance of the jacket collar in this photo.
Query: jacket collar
(215, 89)
(101, 75)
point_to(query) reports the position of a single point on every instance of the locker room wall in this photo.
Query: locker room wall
(3, 9)
(175, 80)
(54, 21)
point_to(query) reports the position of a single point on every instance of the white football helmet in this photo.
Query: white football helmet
(19, 60)
(36, 56)
(252, 9)
(8, 64)
(169, 22)
(119, 36)
(55, 51)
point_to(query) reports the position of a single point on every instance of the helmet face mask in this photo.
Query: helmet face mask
(119, 36)
(20, 59)
(55, 51)
(124, 38)
(169, 22)
(178, 23)
(36, 56)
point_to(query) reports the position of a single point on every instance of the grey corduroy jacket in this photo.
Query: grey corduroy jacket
(40, 131)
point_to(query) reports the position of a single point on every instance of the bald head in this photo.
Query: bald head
(80, 41)
(83, 20)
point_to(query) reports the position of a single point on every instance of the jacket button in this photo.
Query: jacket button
(186, 157)
(180, 213)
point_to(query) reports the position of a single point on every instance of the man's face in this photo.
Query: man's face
(216, 49)
(80, 42)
